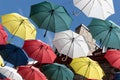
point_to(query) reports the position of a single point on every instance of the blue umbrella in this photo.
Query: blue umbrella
(13, 55)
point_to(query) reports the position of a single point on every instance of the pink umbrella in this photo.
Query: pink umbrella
(3, 35)
(113, 57)
(31, 73)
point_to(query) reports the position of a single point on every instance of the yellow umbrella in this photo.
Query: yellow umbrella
(87, 67)
(1, 61)
(19, 25)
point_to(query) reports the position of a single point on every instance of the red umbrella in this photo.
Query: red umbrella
(113, 57)
(3, 35)
(39, 51)
(30, 73)
(5, 79)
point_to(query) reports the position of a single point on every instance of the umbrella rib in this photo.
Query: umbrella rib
(102, 8)
(86, 4)
(31, 73)
(79, 43)
(61, 39)
(118, 37)
(115, 60)
(64, 46)
(62, 20)
(96, 69)
(67, 35)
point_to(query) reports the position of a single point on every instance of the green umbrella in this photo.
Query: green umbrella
(50, 16)
(106, 32)
(57, 71)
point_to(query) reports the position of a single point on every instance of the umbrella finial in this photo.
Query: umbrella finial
(73, 39)
(52, 11)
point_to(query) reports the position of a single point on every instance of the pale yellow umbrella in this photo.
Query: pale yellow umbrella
(1, 61)
(87, 67)
(19, 25)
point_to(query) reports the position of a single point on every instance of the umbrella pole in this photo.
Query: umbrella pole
(64, 59)
(52, 12)
(15, 32)
(106, 37)
(45, 32)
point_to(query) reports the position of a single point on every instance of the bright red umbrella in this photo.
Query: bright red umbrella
(30, 73)
(39, 51)
(3, 35)
(113, 57)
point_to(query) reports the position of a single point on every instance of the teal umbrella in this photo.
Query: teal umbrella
(57, 72)
(106, 32)
(50, 16)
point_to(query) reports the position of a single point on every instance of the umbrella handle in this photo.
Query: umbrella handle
(64, 58)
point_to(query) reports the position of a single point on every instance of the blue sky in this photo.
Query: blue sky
(23, 7)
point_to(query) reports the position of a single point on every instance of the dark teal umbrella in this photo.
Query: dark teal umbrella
(57, 72)
(50, 16)
(106, 32)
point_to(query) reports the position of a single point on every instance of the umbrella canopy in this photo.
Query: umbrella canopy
(71, 44)
(1, 61)
(13, 54)
(10, 73)
(19, 25)
(87, 67)
(3, 35)
(113, 57)
(50, 16)
(39, 51)
(106, 32)
(57, 71)
(30, 73)
(100, 9)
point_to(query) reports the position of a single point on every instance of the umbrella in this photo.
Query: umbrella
(1, 61)
(57, 71)
(39, 51)
(19, 25)
(10, 73)
(106, 32)
(84, 31)
(3, 35)
(13, 54)
(113, 57)
(50, 16)
(87, 67)
(71, 44)
(31, 73)
(100, 9)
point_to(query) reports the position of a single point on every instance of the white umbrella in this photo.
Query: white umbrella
(100, 9)
(71, 44)
(10, 72)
